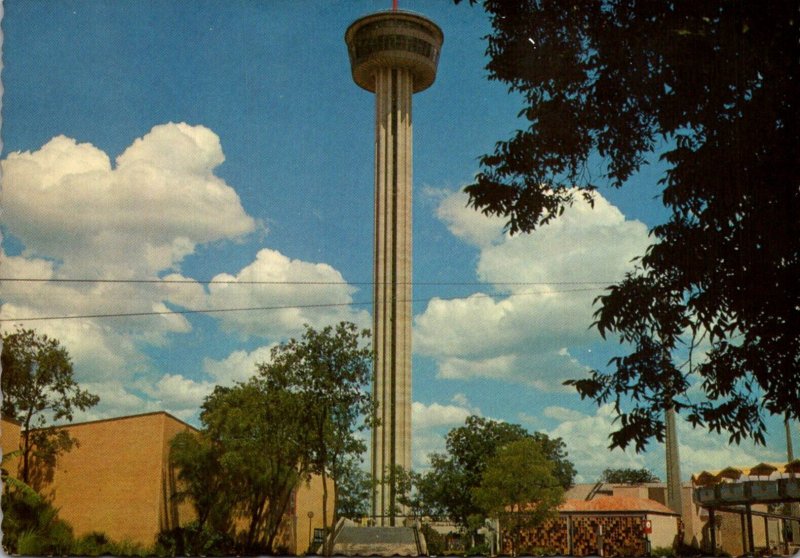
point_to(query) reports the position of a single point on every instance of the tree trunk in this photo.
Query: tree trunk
(256, 512)
(275, 519)
(326, 544)
(26, 449)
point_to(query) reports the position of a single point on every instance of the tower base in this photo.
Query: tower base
(354, 540)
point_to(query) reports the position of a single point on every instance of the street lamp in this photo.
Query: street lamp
(310, 517)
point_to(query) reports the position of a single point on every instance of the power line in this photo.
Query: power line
(262, 308)
(284, 282)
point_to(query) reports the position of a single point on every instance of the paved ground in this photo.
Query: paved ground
(376, 541)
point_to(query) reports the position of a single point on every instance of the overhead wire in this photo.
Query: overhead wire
(266, 308)
(285, 282)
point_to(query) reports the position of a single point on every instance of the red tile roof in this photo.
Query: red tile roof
(611, 504)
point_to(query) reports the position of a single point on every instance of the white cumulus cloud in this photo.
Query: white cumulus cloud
(537, 306)
(430, 424)
(296, 293)
(587, 438)
(80, 217)
(436, 414)
(239, 366)
(67, 202)
(77, 215)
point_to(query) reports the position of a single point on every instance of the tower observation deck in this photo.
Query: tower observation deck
(393, 54)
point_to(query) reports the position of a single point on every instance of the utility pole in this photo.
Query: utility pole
(794, 508)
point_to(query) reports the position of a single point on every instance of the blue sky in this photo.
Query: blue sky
(220, 144)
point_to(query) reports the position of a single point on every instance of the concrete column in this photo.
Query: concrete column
(674, 499)
(392, 293)
(712, 531)
(794, 507)
(394, 55)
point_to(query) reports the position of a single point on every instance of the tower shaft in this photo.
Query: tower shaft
(394, 55)
(391, 441)
(674, 497)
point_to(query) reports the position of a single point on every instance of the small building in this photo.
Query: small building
(118, 480)
(602, 526)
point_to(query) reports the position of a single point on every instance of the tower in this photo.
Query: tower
(674, 498)
(393, 54)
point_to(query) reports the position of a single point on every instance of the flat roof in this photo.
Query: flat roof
(125, 417)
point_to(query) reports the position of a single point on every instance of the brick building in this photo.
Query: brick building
(603, 526)
(118, 480)
(622, 509)
(9, 440)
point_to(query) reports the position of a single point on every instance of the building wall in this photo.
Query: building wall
(117, 480)
(731, 532)
(551, 536)
(172, 513)
(308, 498)
(10, 436)
(665, 531)
(622, 534)
(692, 524)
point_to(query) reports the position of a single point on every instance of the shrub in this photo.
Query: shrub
(537, 551)
(662, 551)
(92, 544)
(30, 524)
(126, 547)
(479, 550)
(434, 540)
(688, 550)
(189, 540)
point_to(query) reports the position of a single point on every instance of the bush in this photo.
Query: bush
(434, 540)
(662, 551)
(688, 550)
(92, 544)
(479, 550)
(127, 547)
(30, 524)
(98, 544)
(192, 541)
(538, 551)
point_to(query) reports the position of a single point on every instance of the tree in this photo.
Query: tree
(448, 488)
(519, 485)
(408, 495)
(257, 433)
(331, 371)
(628, 476)
(38, 387)
(711, 89)
(353, 489)
(203, 481)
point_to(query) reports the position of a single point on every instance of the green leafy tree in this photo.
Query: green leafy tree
(711, 90)
(38, 388)
(203, 481)
(258, 434)
(448, 488)
(408, 497)
(520, 487)
(331, 371)
(628, 476)
(353, 488)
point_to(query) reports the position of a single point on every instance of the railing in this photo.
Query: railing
(770, 491)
